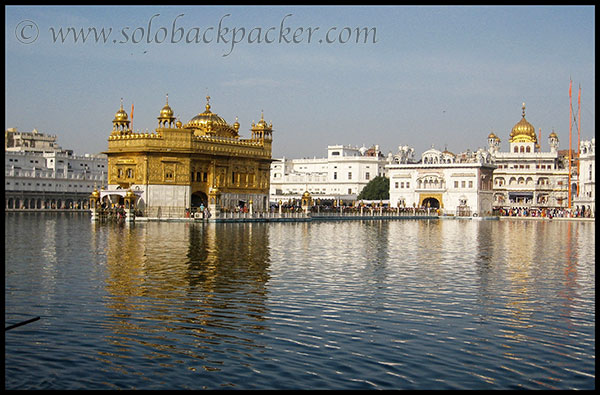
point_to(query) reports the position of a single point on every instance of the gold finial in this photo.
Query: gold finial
(207, 103)
(523, 109)
(121, 103)
(167, 99)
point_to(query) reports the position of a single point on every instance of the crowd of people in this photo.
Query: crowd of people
(574, 212)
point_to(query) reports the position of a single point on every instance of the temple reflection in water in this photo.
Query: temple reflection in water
(184, 276)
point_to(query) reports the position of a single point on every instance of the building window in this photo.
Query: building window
(396, 185)
(401, 185)
(349, 175)
(407, 184)
(367, 175)
(462, 184)
(335, 175)
(470, 184)
(455, 184)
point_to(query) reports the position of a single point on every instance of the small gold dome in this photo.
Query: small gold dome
(523, 131)
(262, 123)
(553, 135)
(492, 136)
(121, 115)
(166, 111)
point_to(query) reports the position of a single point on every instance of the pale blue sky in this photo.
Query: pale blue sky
(445, 76)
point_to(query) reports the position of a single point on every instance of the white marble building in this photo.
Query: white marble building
(341, 175)
(586, 195)
(455, 184)
(40, 175)
(527, 177)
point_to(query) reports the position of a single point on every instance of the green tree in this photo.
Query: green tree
(378, 188)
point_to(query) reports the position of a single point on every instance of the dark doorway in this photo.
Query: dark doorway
(198, 199)
(431, 202)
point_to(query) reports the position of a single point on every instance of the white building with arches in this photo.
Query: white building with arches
(527, 177)
(40, 175)
(586, 195)
(455, 184)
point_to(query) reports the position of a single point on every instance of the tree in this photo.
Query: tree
(377, 189)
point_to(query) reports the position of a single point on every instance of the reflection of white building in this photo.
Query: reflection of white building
(40, 175)
(526, 176)
(341, 175)
(457, 184)
(587, 174)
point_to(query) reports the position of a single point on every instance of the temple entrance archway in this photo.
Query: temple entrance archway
(199, 198)
(431, 202)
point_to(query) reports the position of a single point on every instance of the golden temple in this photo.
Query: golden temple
(181, 167)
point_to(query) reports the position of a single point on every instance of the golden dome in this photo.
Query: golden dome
(121, 115)
(523, 131)
(262, 124)
(166, 111)
(553, 135)
(493, 136)
(211, 123)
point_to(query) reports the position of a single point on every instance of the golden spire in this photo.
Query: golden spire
(523, 131)
(207, 103)
(121, 115)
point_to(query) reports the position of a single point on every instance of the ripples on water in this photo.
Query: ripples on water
(424, 304)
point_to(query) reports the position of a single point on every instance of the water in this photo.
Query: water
(403, 304)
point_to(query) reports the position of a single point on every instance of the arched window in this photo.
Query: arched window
(522, 149)
(528, 149)
(516, 150)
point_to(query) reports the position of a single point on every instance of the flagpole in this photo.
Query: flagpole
(132, 116)
(570, 133)
(578, 135)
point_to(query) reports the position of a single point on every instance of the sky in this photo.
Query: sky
(391, 76)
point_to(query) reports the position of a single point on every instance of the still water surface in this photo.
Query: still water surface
(401, 304)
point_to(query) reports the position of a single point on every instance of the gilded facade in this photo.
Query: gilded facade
(183, 166)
